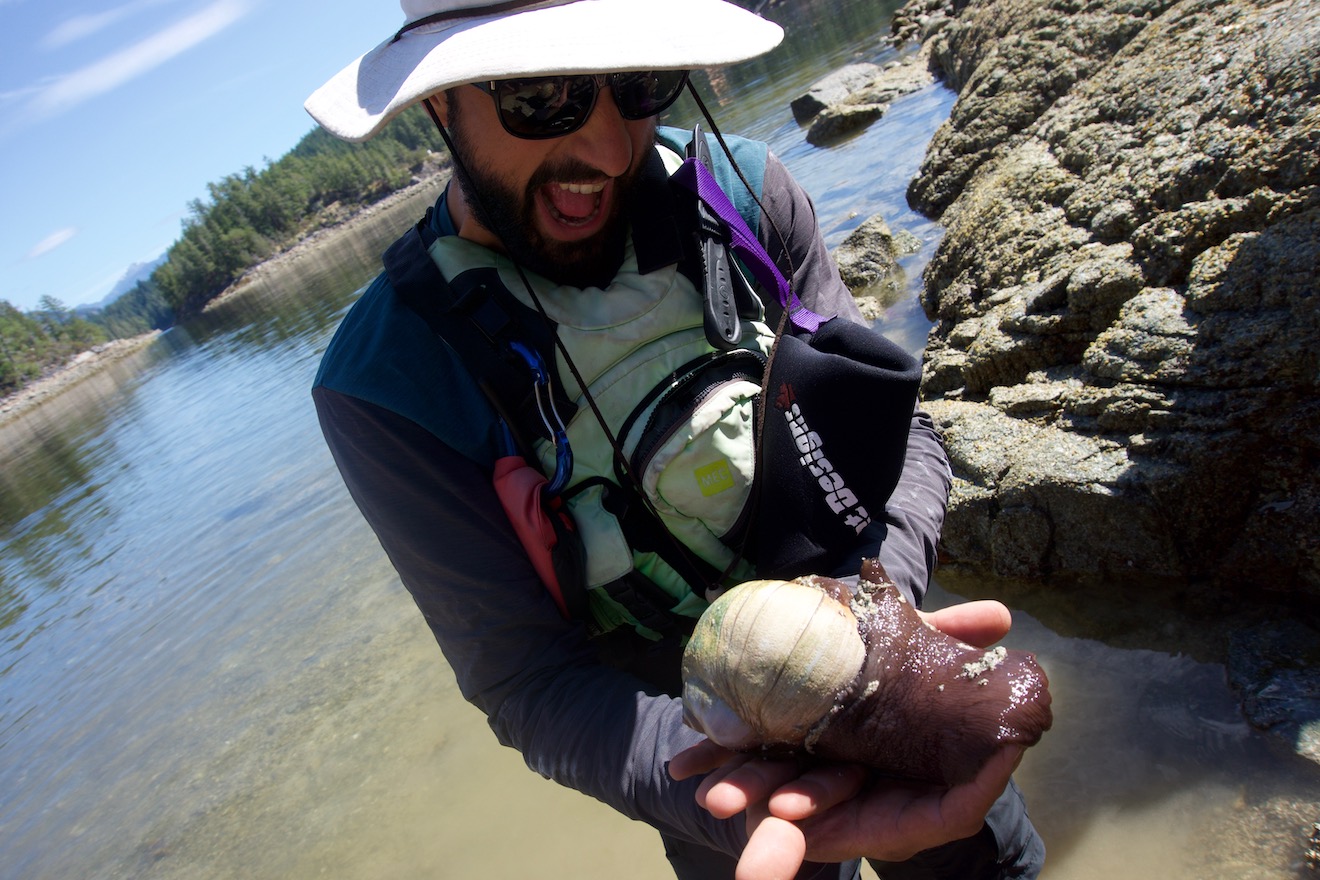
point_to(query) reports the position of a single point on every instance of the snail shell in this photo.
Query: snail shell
(767, 661)
(806, 667)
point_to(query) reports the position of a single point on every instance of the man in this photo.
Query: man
(550, 111)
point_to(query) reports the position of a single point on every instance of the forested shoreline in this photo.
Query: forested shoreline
(245, 218)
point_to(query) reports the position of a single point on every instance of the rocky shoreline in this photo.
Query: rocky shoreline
(334, 224)
(1123, 359)
(1124, 354)
(75, 370)
(98, 358)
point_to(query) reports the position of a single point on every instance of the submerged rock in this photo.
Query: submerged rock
(841, 120)
(856, 95)
(832, 89)
(868, 255)
(1275, 668)
(868, 264)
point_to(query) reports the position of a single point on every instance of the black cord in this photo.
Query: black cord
(751, 191)
(759, 452)
(620, 460)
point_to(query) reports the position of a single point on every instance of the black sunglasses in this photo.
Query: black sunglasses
(553, 106)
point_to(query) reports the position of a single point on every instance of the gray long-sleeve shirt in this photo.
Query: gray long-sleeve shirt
(536, 676)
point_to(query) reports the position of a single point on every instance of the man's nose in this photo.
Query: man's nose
(604, 141)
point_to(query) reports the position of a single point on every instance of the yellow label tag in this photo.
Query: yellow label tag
(714, 478)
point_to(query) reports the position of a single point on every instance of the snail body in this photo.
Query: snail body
(805, 667)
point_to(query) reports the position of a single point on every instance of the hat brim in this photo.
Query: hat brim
(586, 36)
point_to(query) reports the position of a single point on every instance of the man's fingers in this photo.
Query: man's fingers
(774, 850)
(890, 821)
(980, 623)
(964, 806)
(704, 757)
(817, 790)
(741, 782)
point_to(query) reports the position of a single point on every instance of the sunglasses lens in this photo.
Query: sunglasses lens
(647, 92)
(546, 106)
(553, 106)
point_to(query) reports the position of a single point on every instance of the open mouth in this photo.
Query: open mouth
(573, 204)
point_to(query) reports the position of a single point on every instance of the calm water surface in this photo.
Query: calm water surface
(208, 669)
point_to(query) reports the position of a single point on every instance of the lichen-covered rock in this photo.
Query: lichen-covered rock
(868, 255)
(921, 19)
(1124, 358)
(832, 89)
(857, 95)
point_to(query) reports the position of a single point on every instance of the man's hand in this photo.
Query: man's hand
(829, 813)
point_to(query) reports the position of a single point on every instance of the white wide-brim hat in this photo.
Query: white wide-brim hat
(445, 43)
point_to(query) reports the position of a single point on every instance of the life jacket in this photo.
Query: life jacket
(672, 356)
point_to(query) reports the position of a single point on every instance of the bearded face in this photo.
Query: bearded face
(558, 207)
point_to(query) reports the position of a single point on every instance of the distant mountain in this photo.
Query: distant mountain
(132, 275)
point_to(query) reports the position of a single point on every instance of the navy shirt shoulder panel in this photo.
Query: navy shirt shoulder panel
(385, 354)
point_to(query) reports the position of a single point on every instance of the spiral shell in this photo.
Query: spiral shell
(767, 661)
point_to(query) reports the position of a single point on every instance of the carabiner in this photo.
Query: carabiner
(545, 400)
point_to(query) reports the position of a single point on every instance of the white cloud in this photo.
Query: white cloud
(22, 93)
(52, 241)
(113, 71)
(79, 26)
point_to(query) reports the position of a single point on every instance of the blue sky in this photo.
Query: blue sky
(115, 114)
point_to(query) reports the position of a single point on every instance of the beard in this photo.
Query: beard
(510, 215)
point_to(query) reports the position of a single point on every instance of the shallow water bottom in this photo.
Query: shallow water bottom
(363, 761)
(316, 731)
(1150, 769)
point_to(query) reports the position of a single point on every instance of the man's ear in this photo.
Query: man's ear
(440, 103)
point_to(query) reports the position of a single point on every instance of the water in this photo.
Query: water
(208, 668)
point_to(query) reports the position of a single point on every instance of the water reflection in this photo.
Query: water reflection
(52, 465)
(154, 533)
(309, 292)
(53, 447)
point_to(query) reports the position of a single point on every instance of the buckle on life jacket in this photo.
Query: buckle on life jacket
(545, 400)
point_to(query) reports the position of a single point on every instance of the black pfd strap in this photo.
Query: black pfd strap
(649, 604)
(647, 534)
(727, 295)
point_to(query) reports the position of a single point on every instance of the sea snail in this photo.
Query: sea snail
(805, 666)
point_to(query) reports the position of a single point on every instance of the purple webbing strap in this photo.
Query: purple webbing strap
(697, 178)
